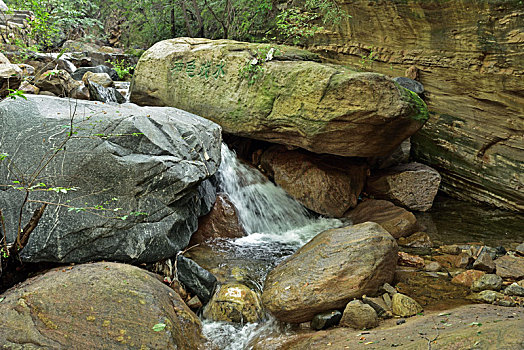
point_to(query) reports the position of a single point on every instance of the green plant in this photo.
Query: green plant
(121, 68)
(367, 60)
(16, 93)
(298, 23)
(254, 70)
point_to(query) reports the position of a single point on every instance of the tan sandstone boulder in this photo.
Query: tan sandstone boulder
(97, 306)
(330, 270)
(279, 94)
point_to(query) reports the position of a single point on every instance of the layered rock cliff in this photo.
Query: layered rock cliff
(470, 56)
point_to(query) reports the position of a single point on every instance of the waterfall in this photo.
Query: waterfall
(276, 225)
(266, 211)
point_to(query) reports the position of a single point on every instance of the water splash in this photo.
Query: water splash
(276, 225)
(265, 210)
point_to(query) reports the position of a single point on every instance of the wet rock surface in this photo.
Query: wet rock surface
(333, 268)
(221, 222)
(234, 303)
(196, 279)
(96, 306)
(396, 220)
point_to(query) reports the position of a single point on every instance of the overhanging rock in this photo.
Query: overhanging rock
(279, 94)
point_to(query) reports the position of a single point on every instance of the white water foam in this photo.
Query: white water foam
(271, 219)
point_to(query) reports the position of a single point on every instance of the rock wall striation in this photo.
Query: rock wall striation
(470, 58)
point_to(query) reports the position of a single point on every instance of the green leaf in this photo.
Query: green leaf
(2, 299)
(159, 327)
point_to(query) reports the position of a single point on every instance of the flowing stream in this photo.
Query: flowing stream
(276, 225)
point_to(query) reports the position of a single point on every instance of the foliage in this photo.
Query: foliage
(121, 68)
(58, 20)
(14, 94)
(297, 23)
(367, 60)
(142, 23)
(254, 70)
(159, 327)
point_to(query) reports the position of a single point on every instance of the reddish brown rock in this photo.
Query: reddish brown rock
(396, 220)
(328, 186)
(221, 222)
(334, 267)
(405, 259)
(412, 185)
(467, 278)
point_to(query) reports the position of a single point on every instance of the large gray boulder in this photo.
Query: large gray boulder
(126, 158)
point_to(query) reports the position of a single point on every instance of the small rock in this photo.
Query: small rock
(358, 315)
(234, 303)
(432, 266)
(194, 303)
(410, 84)
(388, 289)
(487, 282)
(3, 59)
(404, 306)
(326, 320)
(451, 249)
(29, 88)
(463, 260)
(416, 240)
(486, 296)
(196, 279)
(378, 305)
(505, 302)
(510, 267)
(401, 321)
(514, 289)
(484, 262)
(520, 249)
(467, 278)
(102, 79)
(387, 300)
(405, 259)
(27, 70)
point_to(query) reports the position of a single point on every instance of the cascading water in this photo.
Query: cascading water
(276, 225)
